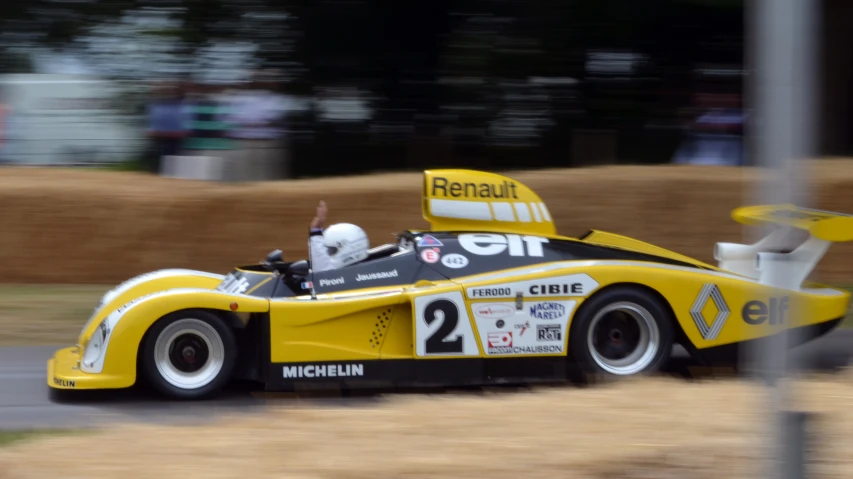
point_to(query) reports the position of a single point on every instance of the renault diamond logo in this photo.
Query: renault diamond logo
(709, 292)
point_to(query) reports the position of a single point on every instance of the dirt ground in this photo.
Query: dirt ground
(658, 428)
(97, 227)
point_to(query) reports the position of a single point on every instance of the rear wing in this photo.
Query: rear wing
(824, 225)
(767, 260)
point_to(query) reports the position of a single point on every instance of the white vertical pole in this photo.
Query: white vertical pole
(782, 39)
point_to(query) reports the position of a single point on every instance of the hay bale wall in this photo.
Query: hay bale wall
(62, 226)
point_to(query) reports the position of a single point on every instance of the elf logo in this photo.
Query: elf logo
(487, 244)
(757, 312)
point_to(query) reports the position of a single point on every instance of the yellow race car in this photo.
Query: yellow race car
(490, 294)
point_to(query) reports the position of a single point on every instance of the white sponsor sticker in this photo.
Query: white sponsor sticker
(549, 332)
(490, 292)
(454, 261)
(546, 310)
(522, 333)
(492, 311)
(568, 285)
(500, 339)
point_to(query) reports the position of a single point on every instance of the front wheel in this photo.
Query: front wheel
(624, 331)
(189, 354)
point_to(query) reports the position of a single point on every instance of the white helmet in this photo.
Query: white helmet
(346, 244)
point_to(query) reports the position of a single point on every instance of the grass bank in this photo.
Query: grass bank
(8, 438)
(45, 314)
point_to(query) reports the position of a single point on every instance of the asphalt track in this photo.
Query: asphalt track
(26, 402)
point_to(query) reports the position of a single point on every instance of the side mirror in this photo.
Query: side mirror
(300, 268)
(275, 256)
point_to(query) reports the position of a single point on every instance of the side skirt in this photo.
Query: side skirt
(416, 373)
(731, 353)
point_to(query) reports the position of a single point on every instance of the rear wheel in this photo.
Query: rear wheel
(189, 355)
(624, 331)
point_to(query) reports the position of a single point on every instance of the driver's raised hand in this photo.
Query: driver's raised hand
(319, 221)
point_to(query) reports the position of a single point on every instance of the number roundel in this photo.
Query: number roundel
(454, 260)
(442, 326)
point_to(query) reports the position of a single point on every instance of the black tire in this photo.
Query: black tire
(613, 333)
(205, 339)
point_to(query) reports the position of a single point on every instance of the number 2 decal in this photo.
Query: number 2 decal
(446, 314)
(442, 326)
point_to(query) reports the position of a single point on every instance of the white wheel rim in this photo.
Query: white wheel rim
(647, 340)
(197, 333)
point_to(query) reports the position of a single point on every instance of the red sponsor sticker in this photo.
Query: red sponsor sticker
(430, 255)
(500, 339)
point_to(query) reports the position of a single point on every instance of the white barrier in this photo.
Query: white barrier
(208, 168)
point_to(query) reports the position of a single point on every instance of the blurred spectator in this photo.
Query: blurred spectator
(5, 113)
(208, 123)
(257, 116)
(716, 136)
(206, 148)
(166, 122)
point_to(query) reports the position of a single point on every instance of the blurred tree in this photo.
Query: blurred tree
(479, 80)
(54, 22)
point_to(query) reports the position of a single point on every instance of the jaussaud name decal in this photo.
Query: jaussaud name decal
(332, 281)
(454, 189)
(323, 371)
(549, 310)
(372, 276)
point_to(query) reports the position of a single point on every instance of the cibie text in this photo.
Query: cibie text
(556, 289)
